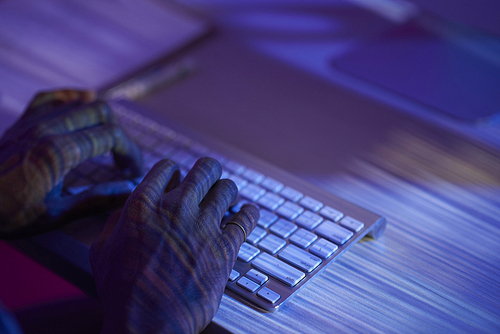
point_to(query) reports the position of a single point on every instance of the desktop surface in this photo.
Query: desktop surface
(433, 270)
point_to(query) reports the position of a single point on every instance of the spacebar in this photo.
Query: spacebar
(278, 269)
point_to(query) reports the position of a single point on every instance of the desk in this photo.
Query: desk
(436, 267)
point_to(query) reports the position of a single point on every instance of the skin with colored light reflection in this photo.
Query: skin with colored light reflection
(162, 261)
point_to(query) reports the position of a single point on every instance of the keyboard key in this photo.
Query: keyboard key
(323, 248)
(149, 160)
(247, 284)
(233, 275)
(290, 210)
(252, 192)
(271, 201)
(352, 224)
(291, 194)
(164, 150)
(268, 295)
(308, 220)
(334, 232)
(272, 185)
(253, 176)
(311, 204)
(299, 258)
(256, 276)
(237, 207)
(199, 150)
(266, 218)
(234, 167)
(283, 228)
(220, 158)
(278, 269)
(330, 213)
(256, 235)
(239, 181)
(183, 158)
(247, 252)
(303, 238)
(272, 244)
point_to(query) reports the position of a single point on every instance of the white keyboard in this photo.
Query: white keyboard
(301, 228)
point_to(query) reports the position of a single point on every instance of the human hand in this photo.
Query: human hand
(58, 131)
(164, 266)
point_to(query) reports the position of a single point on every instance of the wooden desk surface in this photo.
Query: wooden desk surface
(436, 267)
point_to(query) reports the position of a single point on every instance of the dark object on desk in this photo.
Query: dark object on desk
(446, 67)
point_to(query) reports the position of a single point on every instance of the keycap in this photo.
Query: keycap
(183, 158)
(256, 276)
(220, 158)
(234, 167)
(303, 238)
(252, 192)
(199, 150)
(334, 232)
(247, 252)
(237, 207)
(271, 201)
(268, 295)
(290, 210)
(308, 220)
(239, 181)
(323, 248)
(283, 228)
(248, 284)
(256, 235)
(233, 275)
(272, 244)
(330, 213)
(149, 160)
(299, 258)
(272, 185)
(266, 218)
(352, 224)
(253, 176)
(164, 150)
(278, 269)
(311, 204)
(291, 194)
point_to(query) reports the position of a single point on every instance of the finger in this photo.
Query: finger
(98, 199)
(164, 176)
(74, 119)
(199, 180)
(108, 228)
(57, 155)
(247, 218)
(46, 100)
(219, 199)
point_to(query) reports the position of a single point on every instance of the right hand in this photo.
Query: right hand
(164, 266)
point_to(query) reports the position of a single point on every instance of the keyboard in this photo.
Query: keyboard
(301, 229)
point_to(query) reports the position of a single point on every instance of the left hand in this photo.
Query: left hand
(58, 131)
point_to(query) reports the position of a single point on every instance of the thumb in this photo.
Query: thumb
(98, 199)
